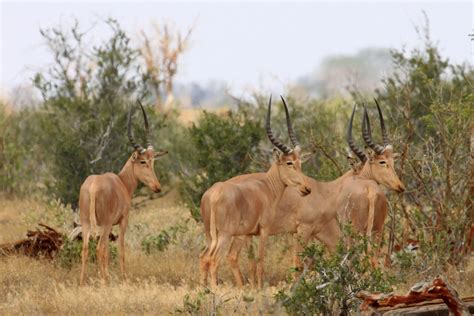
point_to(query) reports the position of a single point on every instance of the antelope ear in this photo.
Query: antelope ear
(396, 156)
(370, 154)
(353, 162)
(160, 153)
(306, 156)
(134, 156)
(276, 155)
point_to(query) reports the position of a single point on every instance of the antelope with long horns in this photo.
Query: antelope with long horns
(104, 199)
(356, 195)
(247, 205)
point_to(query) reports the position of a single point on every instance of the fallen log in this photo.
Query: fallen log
(437, 290)
(44, 243)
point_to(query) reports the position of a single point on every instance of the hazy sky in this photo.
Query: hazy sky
(244, 44)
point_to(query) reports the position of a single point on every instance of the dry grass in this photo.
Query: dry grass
(36, 287)
(157, 283)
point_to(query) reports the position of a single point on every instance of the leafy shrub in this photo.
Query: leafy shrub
(71, 252)
(430, 102)
(82, 120)
(161, 241)
(329, 283)
(222, 146)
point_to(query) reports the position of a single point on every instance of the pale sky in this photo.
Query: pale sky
(244, 44)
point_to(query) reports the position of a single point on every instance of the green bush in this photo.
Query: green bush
(329, 283)
(83, 115)
(222, 148)
(71, 251)
(430, 105)
(161, 241)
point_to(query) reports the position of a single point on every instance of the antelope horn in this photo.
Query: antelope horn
(147, 130)
(291, 132)
(359, 153)
(137, 147)
(386, 140)
(278, 144)
(367, 123)
(367, 135)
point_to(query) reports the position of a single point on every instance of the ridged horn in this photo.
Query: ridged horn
(367, 134)
(137, 147)
(147, 129)
(359, 152)
(277, 143)
(386, 140)
(291, 132)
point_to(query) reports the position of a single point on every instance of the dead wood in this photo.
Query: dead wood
(40, 243)
(421, 292)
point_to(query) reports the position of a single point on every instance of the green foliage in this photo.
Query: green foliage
(83, 116)
(430, 105)
(330, 282)
(222, 148)
(160, 242)
(71, 252)
(20, 166)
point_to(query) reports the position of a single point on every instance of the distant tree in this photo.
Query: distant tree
(337, 75)
(161, 52)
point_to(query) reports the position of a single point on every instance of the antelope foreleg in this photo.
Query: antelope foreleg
(121, 242)
(370, 223)
(300, 240)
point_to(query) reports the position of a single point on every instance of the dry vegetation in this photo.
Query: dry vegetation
(156, 282)
(159, 282)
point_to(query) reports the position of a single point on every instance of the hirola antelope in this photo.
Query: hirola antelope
(246, 205)
(104, 199)
(356, 195)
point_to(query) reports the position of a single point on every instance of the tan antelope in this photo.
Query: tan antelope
(104, 199)
(356, 195)
(247, 205)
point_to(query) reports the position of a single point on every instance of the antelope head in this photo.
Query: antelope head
(287, 159)
(143, 159)
(378, 160)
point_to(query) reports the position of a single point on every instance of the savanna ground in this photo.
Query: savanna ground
(157, 282)
(160, 282)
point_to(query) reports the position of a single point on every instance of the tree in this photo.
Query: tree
(161, 52)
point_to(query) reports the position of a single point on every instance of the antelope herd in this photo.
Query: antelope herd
(279, 201)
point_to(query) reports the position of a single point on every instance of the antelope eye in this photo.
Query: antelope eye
(143, 162)
(289, 163)
(382, 162)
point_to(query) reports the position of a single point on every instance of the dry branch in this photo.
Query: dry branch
(419, 293)
(40, 243)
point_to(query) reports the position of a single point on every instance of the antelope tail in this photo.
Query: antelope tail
(92, 215)
(213, 227)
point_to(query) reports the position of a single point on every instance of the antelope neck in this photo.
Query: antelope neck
(274, 182)
(127, 175)
(366, 171)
